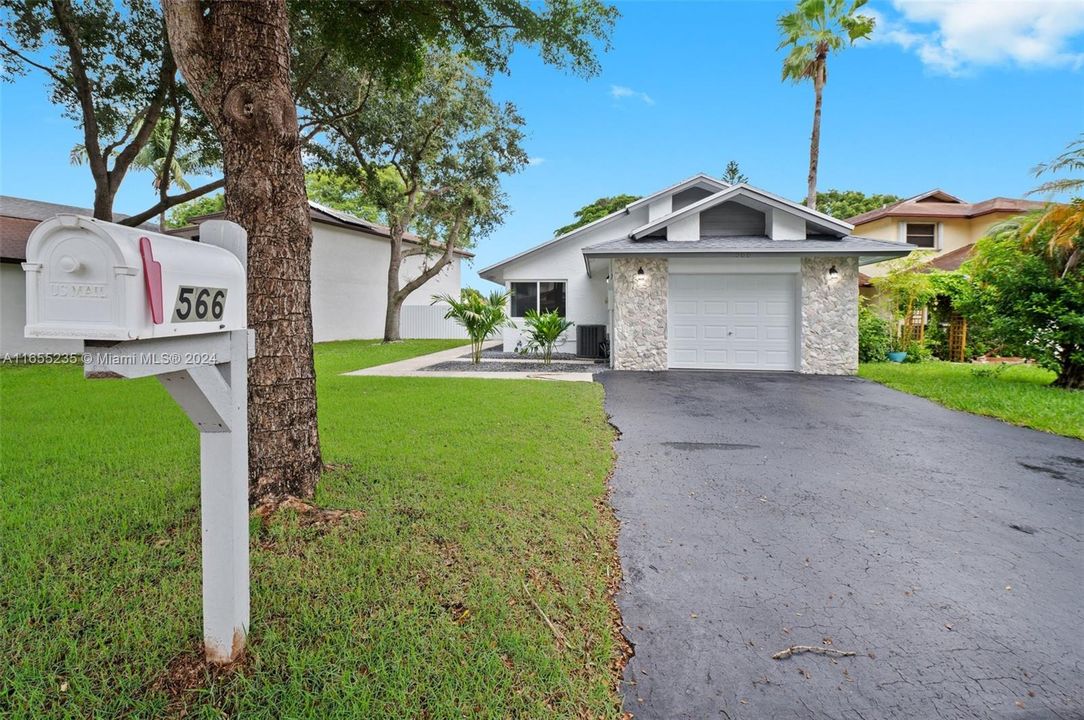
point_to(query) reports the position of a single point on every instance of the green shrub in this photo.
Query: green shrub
(544, 331)
(917, 352)
(480, 315)
(874, 335)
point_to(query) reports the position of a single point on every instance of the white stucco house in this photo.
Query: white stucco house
(349, 277)
(349, 274)
(704, 275)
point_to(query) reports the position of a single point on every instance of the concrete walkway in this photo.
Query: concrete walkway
(412, 367)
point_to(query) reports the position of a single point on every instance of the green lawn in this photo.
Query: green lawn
(1020, 394)
(471, 490)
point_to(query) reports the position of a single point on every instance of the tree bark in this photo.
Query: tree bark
(398, 295)
(815, 144)
(393, 309)
(236, 59)
(1071, 374)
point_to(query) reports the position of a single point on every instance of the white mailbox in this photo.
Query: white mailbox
(153, 305)
(96, 280)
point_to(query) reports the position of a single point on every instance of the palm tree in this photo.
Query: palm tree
(1066, 219)
(813, 31)
(480, 316)
(544, 331)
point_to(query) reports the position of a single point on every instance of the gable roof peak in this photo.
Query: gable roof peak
(753, 193)
(936, 195)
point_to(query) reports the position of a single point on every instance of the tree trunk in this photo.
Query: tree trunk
(814, 145)
(236, 59)
(1071, 374)
(103, 200)
(397, 295)
(392, 318)
(393, 309)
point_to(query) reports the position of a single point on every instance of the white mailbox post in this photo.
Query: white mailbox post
(149, 304)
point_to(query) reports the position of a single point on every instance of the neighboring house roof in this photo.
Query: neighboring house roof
(328, 216)
(952, 260)
(826, 222)
(19, 217)
(939, 204)
(699, 180)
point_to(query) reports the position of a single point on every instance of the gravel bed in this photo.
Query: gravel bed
(501, 355)
(497, 366)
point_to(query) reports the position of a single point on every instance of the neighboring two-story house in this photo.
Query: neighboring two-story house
(936, 221)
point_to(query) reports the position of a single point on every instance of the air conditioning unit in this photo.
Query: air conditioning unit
(591, 341)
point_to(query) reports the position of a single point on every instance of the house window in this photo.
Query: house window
(541, 296)
(922, 234)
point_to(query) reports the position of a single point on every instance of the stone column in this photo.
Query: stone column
(829, 316)
(640, 313)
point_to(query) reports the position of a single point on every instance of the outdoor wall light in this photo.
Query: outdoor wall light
(640, 271)
(833, 274)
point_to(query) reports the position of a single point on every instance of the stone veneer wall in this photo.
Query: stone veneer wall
(829, 316)
(640, 313)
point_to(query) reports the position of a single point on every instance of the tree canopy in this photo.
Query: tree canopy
(390, 39)
(844, 204)
(432, 157)
(1021, 289)
(111, 72)
(593, 211)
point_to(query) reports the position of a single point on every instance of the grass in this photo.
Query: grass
(1019, 394)
(471, 490)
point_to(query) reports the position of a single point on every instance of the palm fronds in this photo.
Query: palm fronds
(544, 331)
(480, 315)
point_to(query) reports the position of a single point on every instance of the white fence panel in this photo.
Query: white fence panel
(427, 321)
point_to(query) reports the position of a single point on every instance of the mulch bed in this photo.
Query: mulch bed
(502, 355)
(512, 366)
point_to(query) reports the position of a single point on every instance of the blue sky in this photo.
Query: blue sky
(966, 96)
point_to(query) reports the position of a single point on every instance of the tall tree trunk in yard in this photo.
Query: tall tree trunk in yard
(236, 60)
(393, 309)
(815, 144)
(398, 295)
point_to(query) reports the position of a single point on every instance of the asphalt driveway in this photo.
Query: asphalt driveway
(760, 511)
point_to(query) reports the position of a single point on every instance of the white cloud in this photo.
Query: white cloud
(618, 92)
(535, 161)
(955, 37)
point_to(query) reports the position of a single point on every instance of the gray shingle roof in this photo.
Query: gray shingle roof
(814, 244)
(38, 210)
(19, 217)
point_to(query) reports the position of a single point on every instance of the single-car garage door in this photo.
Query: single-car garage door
(732, 322)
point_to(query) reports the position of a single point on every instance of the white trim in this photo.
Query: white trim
(695, 180)
(752, 193)
(690, 182)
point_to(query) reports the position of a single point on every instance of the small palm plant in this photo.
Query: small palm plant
(481, 316)
(544, 331)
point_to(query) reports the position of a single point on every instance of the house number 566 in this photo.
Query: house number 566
(196, 304)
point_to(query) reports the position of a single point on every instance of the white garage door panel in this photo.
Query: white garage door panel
(732, 322)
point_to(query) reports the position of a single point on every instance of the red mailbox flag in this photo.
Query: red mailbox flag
(152, 279)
